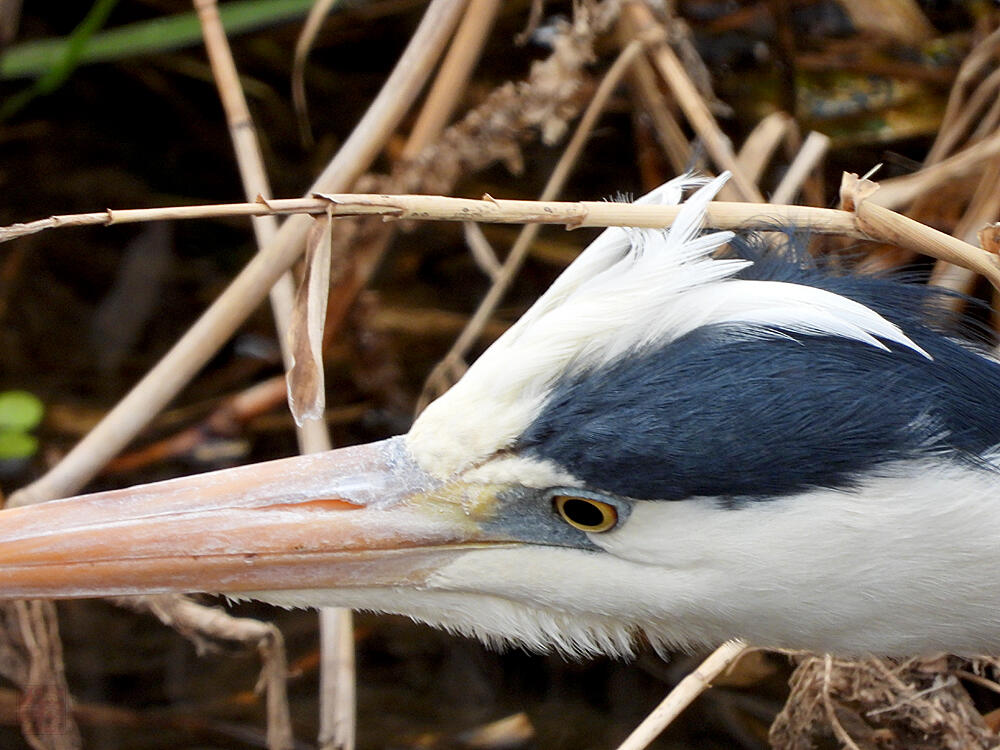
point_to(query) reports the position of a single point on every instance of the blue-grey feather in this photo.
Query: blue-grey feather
(712, 414)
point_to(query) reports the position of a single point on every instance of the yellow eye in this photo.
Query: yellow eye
(586, 514)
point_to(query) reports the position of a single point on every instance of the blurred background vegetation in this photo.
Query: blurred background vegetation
(114, 105)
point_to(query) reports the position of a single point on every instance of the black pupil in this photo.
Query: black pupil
(583, 513)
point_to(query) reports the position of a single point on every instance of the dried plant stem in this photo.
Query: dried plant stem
(489, 210)
(668, 132)
(337, 673)
(215, 326)
(338, 680)
(720, 215)
(451, 81)
(982, 57)
(831, 714)
(806, 160)
(313, 436)
(900, 191)
(310, 29)
(44, 711)
(691, 101)
(185, 616)
(982, 209)
(441, 378)
(878, 222)
(426, 136)
(984, 95)
(964, 674)
(758, 148)
(337, 712)
(481, 250)
(683, 694)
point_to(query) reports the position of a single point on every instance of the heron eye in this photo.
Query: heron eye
(586, 514)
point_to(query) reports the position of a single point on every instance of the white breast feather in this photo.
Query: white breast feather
(629, 290)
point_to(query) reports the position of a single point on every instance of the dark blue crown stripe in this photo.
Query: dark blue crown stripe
(722, 415)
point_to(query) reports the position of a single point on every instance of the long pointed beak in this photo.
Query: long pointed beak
(360, 516)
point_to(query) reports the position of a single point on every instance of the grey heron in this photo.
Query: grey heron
(673, 444)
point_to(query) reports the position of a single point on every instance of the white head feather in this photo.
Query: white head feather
(628, 291)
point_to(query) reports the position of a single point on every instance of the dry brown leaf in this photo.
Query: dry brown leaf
(306, 385)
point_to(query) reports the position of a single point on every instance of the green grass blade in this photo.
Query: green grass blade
(37, 59)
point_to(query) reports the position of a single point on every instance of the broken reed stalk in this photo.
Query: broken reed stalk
(684, 694)
(872, 221)
(254, 282)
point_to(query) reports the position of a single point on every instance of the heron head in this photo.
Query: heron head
(669, 445)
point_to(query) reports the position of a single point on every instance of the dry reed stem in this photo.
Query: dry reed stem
(759, 146)
(196, 621)
(488, 210)
(337, 713)
(805, 162)
(921, 190)
(831, 714)
(491, 132)
(983, 208)
(443, 374)
(337, 680)
(882, 225)
(978, 679)
(984, 95)
(978, 59)
(449, 85)
(481, 250)
(988, 123)
(962, 110)
(310, 29)
(313, 437)
(689, 99)
(899, 191)
(668, 132)
(683, 694)
(509, 732)
(453, 77)
(44, 710)
(887, 226)
(242, 296)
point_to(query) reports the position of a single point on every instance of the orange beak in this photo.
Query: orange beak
(356, 517)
